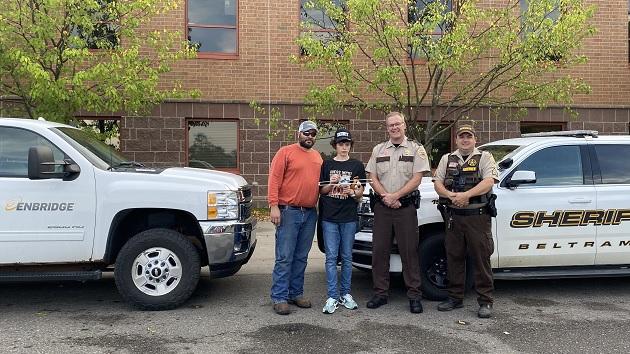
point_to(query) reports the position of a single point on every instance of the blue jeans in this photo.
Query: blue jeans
(338, 237)
(294, 237)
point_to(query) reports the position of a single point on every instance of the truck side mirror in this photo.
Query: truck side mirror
(522, 177)
(41, 164)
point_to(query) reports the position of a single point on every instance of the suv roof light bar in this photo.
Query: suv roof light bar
(567, 133)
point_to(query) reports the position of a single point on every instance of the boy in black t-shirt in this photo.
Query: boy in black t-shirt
(338, 214)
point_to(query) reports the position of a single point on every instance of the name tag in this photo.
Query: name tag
(469, 169)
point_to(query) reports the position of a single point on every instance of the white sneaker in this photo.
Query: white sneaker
(331, 306)
(348, 302)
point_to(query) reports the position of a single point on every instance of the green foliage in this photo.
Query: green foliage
(450, 56)
(274, 116)
(62, 56)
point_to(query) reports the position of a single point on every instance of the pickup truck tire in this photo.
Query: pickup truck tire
(157, 269)
(433, 268)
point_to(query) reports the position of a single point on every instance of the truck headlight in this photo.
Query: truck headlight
(222, 205)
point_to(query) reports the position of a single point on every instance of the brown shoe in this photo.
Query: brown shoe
(301, 302)
(281, 308)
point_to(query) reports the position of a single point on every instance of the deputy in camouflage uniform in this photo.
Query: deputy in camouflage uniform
(396, 168)
(464, 181)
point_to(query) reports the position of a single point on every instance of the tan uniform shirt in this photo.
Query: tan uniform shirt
(487, 166)
(395, 166)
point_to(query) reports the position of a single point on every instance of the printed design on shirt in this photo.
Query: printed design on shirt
(344, 181)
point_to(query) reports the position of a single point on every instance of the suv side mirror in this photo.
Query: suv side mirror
(41, 164)
(522, 177)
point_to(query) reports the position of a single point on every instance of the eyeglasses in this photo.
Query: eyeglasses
(313, 134)
(394, 125)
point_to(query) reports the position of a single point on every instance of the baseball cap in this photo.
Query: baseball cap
(342, 134)
(466, 129)
(307, 125)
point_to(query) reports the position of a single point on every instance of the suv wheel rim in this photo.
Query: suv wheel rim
(437, 272)
(156, 271)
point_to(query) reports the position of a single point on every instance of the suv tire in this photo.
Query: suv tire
(433, 269)
(157, 269)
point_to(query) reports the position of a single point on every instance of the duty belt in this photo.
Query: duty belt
(468, 212)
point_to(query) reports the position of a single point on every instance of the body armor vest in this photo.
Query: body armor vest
(463, 178)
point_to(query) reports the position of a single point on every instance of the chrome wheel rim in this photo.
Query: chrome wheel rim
(156, 271)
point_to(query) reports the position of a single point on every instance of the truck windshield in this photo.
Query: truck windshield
(97, 152)
(501, 152)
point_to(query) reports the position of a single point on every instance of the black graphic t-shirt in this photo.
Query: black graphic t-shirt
(336, 207)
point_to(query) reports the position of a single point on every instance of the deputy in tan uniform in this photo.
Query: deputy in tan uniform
(464, 181)
(396, 168)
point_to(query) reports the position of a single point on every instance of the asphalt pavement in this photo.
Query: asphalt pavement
(234, 315)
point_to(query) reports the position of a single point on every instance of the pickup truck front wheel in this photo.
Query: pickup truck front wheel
(157, 269)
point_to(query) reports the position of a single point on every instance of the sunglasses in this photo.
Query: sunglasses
(313, 134)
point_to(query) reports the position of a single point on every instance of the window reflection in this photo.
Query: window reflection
(555, 166)
(213, 144)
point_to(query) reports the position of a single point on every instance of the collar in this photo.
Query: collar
(459, 154)
(405, 143)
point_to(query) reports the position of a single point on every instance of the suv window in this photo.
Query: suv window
(613, 163)
(14, 146)
(555, 166)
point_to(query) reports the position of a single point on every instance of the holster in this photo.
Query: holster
(491, 207)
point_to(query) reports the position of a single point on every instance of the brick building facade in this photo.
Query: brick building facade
(244, 57)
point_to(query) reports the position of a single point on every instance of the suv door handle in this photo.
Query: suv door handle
(579, 201)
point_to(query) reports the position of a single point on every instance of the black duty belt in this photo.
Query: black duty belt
(468, 212)
(282, 207)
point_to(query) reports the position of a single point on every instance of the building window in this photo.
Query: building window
(213, 26)
(442, 143)
(527, 128)
(415, 13)
(106, 130)
(316, 23)
(103, 32)
(213, 144)
(325, 132)
(542, 27)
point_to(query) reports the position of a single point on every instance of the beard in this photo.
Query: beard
(307, 144)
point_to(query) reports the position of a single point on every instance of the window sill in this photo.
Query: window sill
(217, 56)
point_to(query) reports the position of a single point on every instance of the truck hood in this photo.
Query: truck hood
(198, 175)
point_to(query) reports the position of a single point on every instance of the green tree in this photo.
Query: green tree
(450, 56)
(61, 56)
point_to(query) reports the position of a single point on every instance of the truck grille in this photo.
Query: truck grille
(245, 202)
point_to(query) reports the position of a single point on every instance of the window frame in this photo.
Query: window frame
(97, 23)
(301, 52)
(421, 59)
(236, 170)
(561, 125)
(99, 119)
(215, 55)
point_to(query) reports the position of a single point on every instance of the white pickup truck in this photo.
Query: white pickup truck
(72, 208)
(563, 211)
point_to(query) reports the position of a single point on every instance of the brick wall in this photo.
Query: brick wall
(267, 30)
(159, 139)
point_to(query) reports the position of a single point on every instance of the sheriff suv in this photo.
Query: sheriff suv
(72, 208)
(563, 211)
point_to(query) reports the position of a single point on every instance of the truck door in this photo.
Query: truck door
(611, 173)
(42, 221)
(539, 224)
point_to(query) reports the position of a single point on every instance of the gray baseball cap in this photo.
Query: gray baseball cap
(307, 125)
